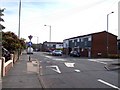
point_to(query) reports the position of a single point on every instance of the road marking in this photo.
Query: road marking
(57, 68)
(101, 62)
(69, 64)
(58, 59)
(104, 82)
(48, 57)
(76, 70)
(97, 61)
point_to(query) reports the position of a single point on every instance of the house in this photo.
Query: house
(98, 44)
(47, 46)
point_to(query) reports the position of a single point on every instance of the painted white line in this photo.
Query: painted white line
(48, 57)
(69, 64)
(97, 61)
(101, 62)
(57, 59)
(107, 60)
(76, 70)
(104, 82)
(57, 68)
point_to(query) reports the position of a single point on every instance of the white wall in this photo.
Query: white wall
(0, 74)
(59, 46)
(65, 43)
(119, 20)
(0, 66)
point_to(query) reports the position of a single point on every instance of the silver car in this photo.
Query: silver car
(57, 52)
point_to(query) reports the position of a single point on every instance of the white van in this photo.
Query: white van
(29, 50)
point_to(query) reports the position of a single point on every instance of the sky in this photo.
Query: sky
(67, 18)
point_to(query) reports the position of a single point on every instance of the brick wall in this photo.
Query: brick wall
(99, 44)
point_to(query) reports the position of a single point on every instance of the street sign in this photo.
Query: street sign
(29, 43)
(30, 37)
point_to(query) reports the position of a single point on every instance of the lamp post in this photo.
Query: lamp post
(50, 32)
(37, 38)
(37, 42)
(107, 32)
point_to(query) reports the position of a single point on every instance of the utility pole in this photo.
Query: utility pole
(19, 26)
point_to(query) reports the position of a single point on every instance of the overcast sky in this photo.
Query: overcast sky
(68, 18)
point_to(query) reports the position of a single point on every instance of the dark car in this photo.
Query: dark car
(74, 54)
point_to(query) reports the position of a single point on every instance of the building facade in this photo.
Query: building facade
(118, 44)
(47, 46)
(92, 45)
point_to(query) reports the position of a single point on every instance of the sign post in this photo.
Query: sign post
(30, 44)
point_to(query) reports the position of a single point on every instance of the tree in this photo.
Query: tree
(11, 42)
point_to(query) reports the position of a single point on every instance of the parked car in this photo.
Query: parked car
(74, 54)
(57, 52)
(29, 50)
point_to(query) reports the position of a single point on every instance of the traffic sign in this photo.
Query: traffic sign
(29, 43)
(30, 37)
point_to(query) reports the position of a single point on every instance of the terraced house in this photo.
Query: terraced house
(47, 46)
(99, 44)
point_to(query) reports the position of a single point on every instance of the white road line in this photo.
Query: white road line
(58, 59)
(57, 68)
(97, 61)
(48, 57)
(104, 82)
(101, 62)
(76, 70)
(69, 64)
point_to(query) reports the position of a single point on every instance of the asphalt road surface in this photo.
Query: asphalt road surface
(73, 72)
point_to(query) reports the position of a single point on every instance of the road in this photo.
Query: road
(73, 72)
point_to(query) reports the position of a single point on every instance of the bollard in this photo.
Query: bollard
(29, 58)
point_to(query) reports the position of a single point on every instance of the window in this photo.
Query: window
(75, 43)
(85, 43)
(78, 40)
(81, 39)
(89, 39)
(72, 40)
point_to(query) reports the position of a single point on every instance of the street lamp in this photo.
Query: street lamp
(37, 38)
(50, 32)
(107, 30)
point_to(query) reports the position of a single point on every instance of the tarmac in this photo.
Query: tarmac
(24, 74)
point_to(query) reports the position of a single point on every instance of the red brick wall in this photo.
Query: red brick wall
(99, 44)
(8, 67)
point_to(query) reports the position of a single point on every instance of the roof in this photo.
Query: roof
(90, 34)
(118, 40)
(53, 42)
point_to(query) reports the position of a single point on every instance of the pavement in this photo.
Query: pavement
(24, 74)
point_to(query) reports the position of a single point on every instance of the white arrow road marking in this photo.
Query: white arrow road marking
(57, 68)
(69, 64)
(108, 84)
